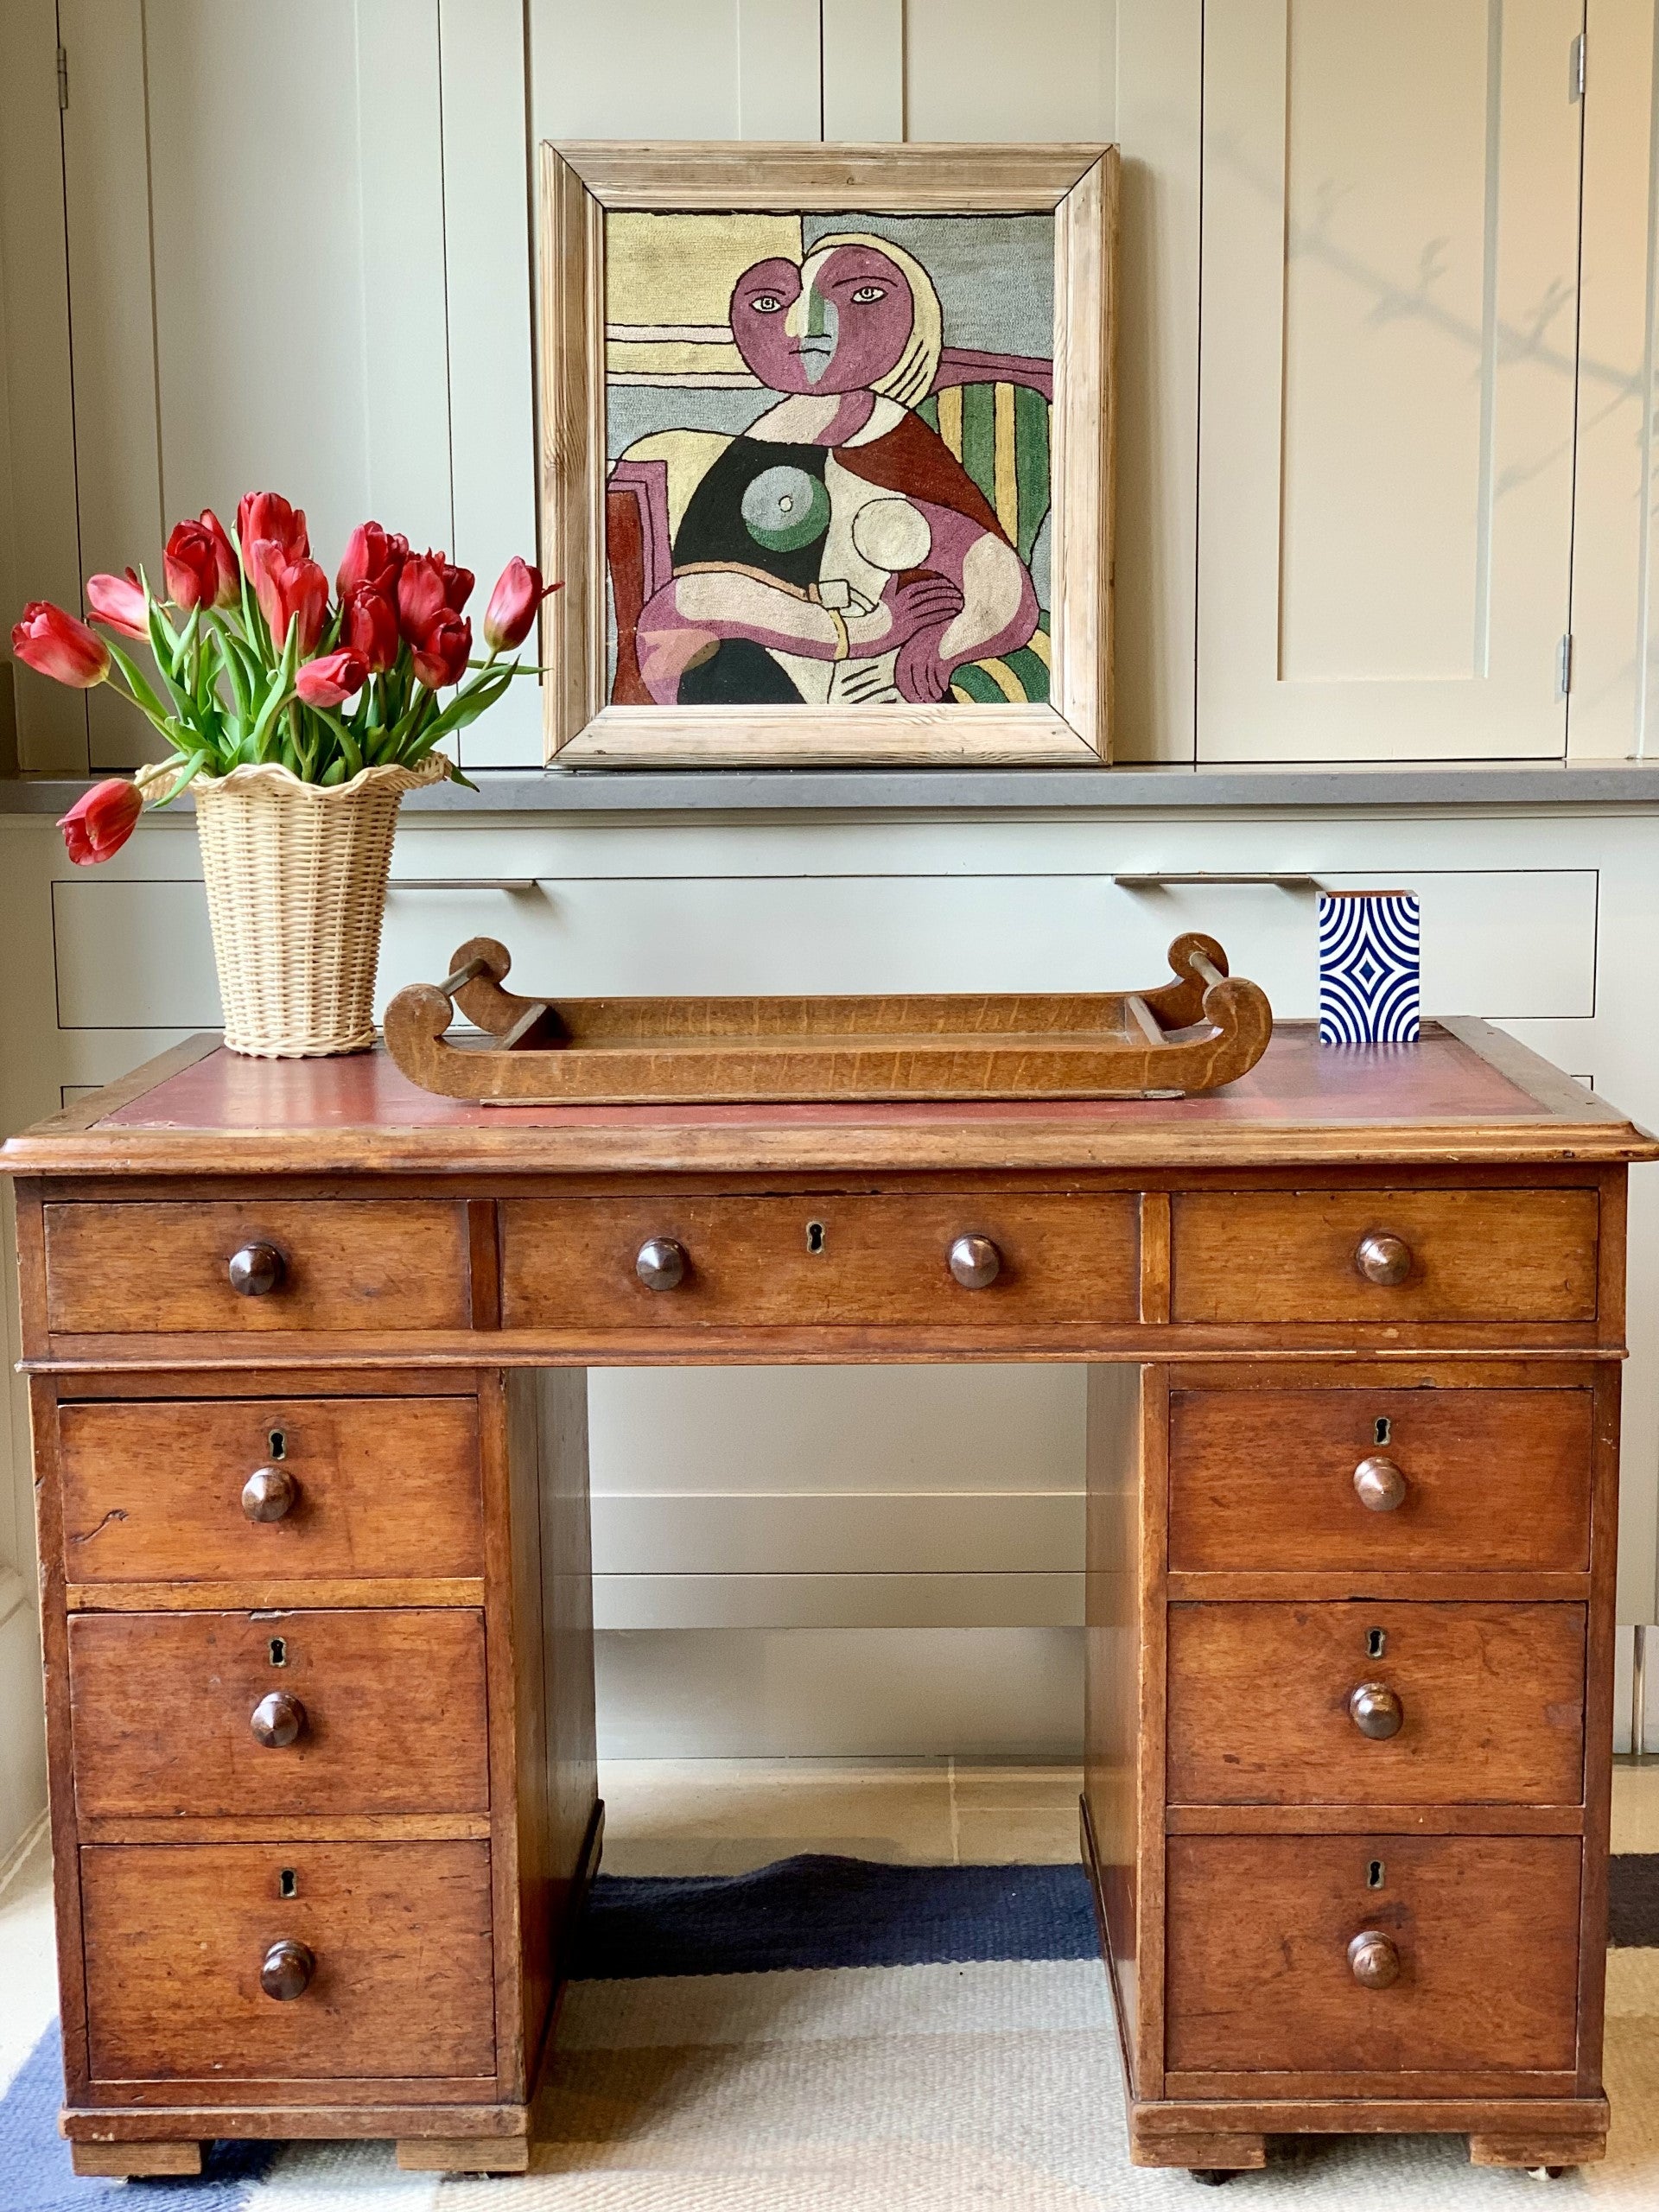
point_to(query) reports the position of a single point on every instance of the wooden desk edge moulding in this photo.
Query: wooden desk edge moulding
(306, 1353)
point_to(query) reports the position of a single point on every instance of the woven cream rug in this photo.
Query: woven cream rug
(925, 2082)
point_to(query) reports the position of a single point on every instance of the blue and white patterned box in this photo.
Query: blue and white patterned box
(1369, 978)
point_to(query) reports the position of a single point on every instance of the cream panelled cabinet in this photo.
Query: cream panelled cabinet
(1388, 378)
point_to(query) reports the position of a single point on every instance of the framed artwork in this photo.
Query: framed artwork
(827, 454)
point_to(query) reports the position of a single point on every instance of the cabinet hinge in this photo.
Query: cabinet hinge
(63, 78)
(1575, 68)
(1564, 665)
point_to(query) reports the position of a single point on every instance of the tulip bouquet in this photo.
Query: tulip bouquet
(301, 718)
(257, 665)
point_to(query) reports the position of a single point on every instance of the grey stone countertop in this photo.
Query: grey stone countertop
(952, 791)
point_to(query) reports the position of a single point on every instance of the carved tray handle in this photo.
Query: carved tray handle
(418, 1017)
(481, 966)
(1206, 992)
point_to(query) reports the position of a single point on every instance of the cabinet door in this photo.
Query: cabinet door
(1390, 296)
(341, 314)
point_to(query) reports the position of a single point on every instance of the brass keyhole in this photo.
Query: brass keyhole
(287, 1883)
(815, 1237)
(1374, 1875)
(278, 1651)
(1376, 1642)
(277, 1443)
(1383, 1430)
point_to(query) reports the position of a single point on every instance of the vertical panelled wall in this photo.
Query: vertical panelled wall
(1413, 453)
(42, 726)
(1424, 279)
(1390, 284)
(297, 256)
(1615, 609)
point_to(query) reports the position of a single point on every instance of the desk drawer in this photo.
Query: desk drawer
(391, 1712)
(176, 1935)
(165, 1267)
(801, 1261)
(1264, 1704)
(1379, 1478)
(372, 1487)
(1483, 1930)
(1467, 1256)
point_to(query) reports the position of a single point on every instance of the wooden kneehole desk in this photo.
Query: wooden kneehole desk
(307, 1349)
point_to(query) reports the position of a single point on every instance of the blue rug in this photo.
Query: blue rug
(34, 2175)
(1633, 1900)
(819, 1912)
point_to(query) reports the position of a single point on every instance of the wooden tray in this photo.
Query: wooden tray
(1205, 1029)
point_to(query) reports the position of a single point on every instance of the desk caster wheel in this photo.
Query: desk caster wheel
(1211, 2176)
(1546, 2173)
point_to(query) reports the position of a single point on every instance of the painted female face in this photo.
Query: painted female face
(839, 322)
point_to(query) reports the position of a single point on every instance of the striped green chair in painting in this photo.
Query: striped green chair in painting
(993, 411)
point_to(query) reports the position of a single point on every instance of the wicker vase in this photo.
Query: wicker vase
(297, 891)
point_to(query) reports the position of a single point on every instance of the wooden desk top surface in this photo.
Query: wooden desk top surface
(1467, 1093)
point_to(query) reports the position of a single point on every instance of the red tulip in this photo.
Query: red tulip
(286, 589)
(267, 514)
(118, 602)
(331, 680)
(101, 823)
(420, 594)
(372, 556)
(429, 587)
(442, 651)
(511, 614)
(59, 645)
(229, 587)
(191, 565)
(371, 627)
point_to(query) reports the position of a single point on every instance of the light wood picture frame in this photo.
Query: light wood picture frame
(581, 187)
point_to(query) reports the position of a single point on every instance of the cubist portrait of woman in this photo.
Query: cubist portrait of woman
(826, 496)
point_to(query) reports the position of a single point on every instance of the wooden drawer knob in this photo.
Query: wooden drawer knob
(1379, 1485)
(255, 1270)
(1377, 1711)
(287, 1971)
(1382, 1258)
(277, 1721)
(271, 1494)
(974, 1261)
(1373, 1960)
(661, 1264)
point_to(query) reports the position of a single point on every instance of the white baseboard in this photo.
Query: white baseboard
(874, 1693)
(1624, 1712)
(23, 1732)
(11, 1865)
